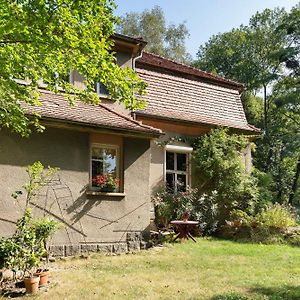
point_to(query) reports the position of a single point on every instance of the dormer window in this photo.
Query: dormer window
(101, 89)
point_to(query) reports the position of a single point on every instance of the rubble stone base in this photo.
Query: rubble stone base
(134, 242)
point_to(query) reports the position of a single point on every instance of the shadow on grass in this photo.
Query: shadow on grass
(231, 296)
(286, 292)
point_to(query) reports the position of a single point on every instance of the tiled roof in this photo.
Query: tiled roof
(174, 97)
(156, 61)
(56, 107)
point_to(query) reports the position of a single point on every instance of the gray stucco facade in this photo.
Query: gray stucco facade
(92, 222)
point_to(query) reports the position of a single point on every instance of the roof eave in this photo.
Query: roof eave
(136, 44)
(120, 131)
(254, 131)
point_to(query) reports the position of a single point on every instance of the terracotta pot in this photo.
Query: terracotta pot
(44, 275)
(32, 284)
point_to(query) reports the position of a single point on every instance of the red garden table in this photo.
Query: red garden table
(184, 228)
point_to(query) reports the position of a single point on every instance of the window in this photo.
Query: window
(101, 89)
(177, 171)
(105, 168)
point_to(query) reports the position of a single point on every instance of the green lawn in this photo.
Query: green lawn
(208, 269)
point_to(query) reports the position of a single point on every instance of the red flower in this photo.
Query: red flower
(100, 179)
(105, 181)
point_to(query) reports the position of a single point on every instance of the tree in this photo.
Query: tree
(168, 41)
(45, 40)
(244, 54)
(287, 93)
(264, 55)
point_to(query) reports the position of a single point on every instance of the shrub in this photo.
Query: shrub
(268, 226)
(265, 184)
(24, 250)
(276, 216)
(267, 235)
(172, 206)
(206, 211)
(294, 240)
(218, 160)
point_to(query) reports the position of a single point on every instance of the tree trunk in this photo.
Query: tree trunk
(295, 182)
(265, 110)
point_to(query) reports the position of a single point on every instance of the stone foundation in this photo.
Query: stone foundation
(134, 242)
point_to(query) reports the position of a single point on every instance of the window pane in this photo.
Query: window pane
(103, 89)
(110, 161)
(181, 161)
(97, 153)
(170, 160)
(97, 169)
(181, 182)
(100, 88)
(170, 180)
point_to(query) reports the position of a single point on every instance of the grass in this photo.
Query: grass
(208, 269)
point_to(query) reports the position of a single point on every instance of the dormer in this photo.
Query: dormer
(127, 50)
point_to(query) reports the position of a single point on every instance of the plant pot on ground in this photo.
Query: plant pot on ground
(44, 276)
(32, 284)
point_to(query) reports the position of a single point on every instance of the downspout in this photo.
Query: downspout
(140, 54)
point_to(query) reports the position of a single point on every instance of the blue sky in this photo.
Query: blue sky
(204, 17)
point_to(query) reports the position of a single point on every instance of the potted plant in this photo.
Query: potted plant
(24, 250)
(31, 284)
(43, 274)
(18, 253)
(44, 228)
(106, 183)
(185, 216)
(28, 251)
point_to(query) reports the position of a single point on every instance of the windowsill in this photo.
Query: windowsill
(98, 193)
(104, 96)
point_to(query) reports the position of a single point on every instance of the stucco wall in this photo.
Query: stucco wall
(124, 59)
(86, 219)
(158, 162)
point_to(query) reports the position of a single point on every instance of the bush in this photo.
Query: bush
(265, 184)
(294, 240)
(24, 250)
(268, 226)
(276, 216)
(172, 206)
(218, 161)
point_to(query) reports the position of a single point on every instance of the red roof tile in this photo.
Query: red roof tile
(153, 60)
(55, 106)
(175, 97)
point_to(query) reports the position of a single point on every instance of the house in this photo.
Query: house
(86, 142)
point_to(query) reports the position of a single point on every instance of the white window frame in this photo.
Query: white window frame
(98, 91)
(105, 146)
(182, 150)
